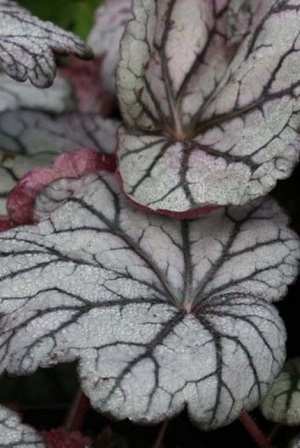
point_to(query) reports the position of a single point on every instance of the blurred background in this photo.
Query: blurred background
(73, 15)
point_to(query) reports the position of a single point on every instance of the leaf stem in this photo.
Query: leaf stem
(76, 414)
(257, 435)
(161, 434)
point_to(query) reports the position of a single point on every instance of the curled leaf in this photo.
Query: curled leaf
(13, 434)
(28, 45)
(13, 167)
(33, 139)
(72, 165)
(282, 404)
(162, 314)
(206, 121)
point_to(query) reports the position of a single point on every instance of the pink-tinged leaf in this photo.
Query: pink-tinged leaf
(32, 139)
(173, 56)
(13, 167)
(28, 45)
(89, 90)
(105, 37)
(13, 434)
(14, 95)
(71, 165)
(60, 438)
(205, 124)
(161, 314)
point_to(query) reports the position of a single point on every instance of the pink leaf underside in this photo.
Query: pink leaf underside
(60, 438)
(33, 139)
(29, 45)
(105, 36)
(89, 90)
(208, 120)
(162, 315)
(70, 165)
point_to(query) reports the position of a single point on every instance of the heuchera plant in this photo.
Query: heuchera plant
(150, 254)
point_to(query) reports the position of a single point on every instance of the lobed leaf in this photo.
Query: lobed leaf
(28, 45)
(208, 121)
(105, 36)
(13, 434)
(282, 404)
(162, 314)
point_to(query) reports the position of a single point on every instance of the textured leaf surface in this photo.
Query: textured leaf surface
(282, 404)
(28, 45)
(105, 36)
(31, 132)
(204, 122)
(72, 165)
(15, 95)
(162, 314)
(13, 434)
(33, 139)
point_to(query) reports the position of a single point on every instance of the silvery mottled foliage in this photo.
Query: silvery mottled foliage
(162, 314)
(32, 139)
(28, 45)
(29, 132)
(105, 36)
(208, 119)
(282, 404)
(13, 434)
(14, 95)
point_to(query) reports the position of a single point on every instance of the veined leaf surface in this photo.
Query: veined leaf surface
(210, 118)
(28, 45)
(162, 314)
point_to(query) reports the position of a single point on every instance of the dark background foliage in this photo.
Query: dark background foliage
(45, 397)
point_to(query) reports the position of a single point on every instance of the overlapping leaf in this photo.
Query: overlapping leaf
(204, 123)
(282, 404)
(13, 434)
(15, 166)
(31, 132)
(32, 139)
(162, 314)
(28, 45)
(15, 95)
(105, 36)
